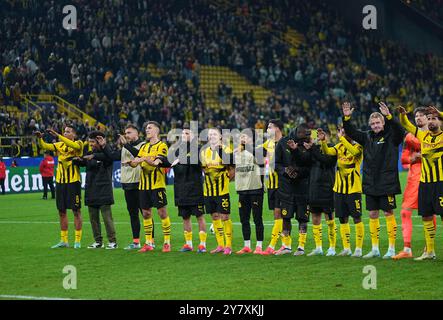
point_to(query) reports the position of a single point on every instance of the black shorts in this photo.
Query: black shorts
(320, 209)
(273, 199)
(153, 198)
(347, 205)
(297, 208)
(430, 199)
(219, 204)
(68, 196)
(186, 211)
(385, 203)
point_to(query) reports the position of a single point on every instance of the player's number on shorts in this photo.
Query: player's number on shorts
(441, 201)
(225, 203)
(357, 204)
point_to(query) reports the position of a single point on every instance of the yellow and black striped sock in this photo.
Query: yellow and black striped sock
(202, 235)
(391, 226)
(429, 229)
(286, 240)
(374, 229)
(78, 235)
(276, 232)
(332, 233)
(148, 226)
(359, 235)
(302, 240)
(219, 233)
(166, 227)
(345, 233)
(317, 232)
(228, 232)
(64, 236)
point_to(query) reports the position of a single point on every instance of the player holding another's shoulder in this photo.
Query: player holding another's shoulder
(347, 189)
(152, 158)
(430, 191)
(216, 160)
(411, 157)
(275, 132)
(68, 185)
(188, 187)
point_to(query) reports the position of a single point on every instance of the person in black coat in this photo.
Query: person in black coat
(380, 170)
(99, 189)
(188, 187)
(293, 176)
(321, 196)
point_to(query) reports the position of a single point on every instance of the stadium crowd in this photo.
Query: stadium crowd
(99, 67)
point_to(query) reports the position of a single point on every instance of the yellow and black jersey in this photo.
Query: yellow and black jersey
(66, 150)
(431, 151)
(216, 182)
(152, 177)
(349, 159)
(272, 180)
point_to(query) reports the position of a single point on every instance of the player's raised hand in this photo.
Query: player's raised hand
(321, 135)
(401, 110)
(52, 132)
(347, 109)
(384, 109)
(308, 145)
(292, 145)
(434, 109)
(122, 139)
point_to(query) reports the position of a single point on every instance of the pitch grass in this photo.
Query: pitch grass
(29, 226)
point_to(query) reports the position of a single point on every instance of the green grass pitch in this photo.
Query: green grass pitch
(29, 226)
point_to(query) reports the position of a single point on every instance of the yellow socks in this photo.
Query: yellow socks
(374, 229)
(302, 240)
(228, 232)
(64, 236)
(78, 235)
(286, 240)
(332, 233)
(316, 230)
(391, 225)
(188, 238)
(276, 232)
(148, 226)
(166, 227)
(429, 229)
(219, 233)
(359, 235)
(202, 235)
(345, 232)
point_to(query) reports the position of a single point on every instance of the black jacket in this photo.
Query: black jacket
(380, 157)
(98, 187)
(288, 187)
(321, 178)
(188, 178)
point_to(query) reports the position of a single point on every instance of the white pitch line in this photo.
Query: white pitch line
(9, 296)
